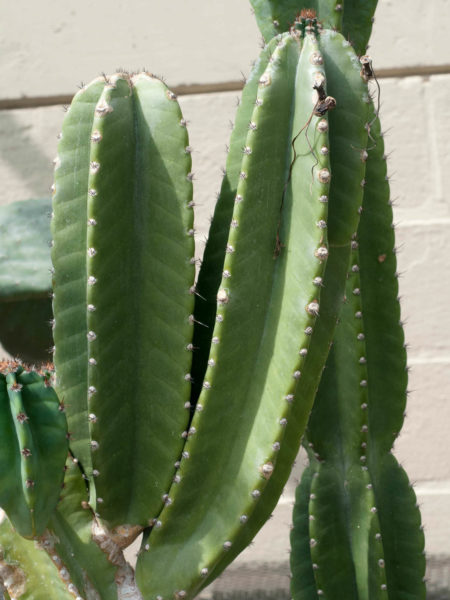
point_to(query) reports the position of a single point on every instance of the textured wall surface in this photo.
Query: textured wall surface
(202, 47)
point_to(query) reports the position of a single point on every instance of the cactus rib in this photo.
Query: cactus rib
(210, 274)
(135, 301)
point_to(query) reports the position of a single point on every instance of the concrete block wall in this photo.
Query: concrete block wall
(202, 47)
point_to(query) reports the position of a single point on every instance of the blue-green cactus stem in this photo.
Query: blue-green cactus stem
(352, 18)
(361, 540)
(250, 319)
(347, 132)
(123, 285)
(33, 448)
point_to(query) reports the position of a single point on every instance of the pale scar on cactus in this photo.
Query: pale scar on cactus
(186, 401)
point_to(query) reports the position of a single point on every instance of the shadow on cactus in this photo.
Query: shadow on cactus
(186, 402)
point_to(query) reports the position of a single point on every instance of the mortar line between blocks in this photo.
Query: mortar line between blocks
(221, 86)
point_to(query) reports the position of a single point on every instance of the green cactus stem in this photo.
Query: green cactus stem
(123, 289)
(352, 18)
(262, 333)
(347, 131)
(33, 448)
(357, 527)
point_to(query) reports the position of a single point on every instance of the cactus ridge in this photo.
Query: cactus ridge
(68, 257)
(135, 302)
(355, 476)
(34, 446)
(303, 568)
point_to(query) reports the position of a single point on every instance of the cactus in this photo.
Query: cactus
(25, 280)
(122, 306)
(357, 527)
(155, 370)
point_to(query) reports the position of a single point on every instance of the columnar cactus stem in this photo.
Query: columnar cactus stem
(356, 523)
(123, 289)
(347, 131)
